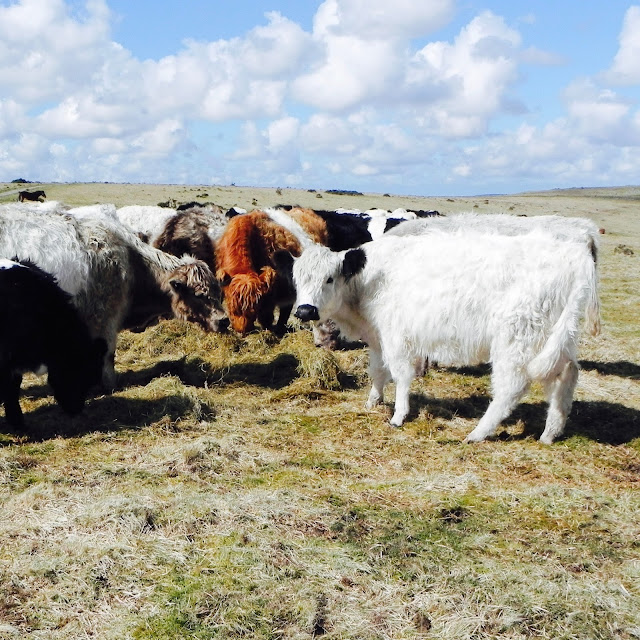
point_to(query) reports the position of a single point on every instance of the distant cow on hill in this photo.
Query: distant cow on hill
(34, 196)
(40, 326)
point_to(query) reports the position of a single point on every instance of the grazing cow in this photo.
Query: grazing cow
(40, 326)
(251, 284)
(460, 298)
(35, 196)
(116, 280)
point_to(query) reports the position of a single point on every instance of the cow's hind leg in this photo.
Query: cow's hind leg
(379, 377)
(509, 386)
(403, 375)
(559, 392)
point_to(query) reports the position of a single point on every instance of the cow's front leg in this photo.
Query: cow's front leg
(281, 326)
(379, 377)
(11, 392)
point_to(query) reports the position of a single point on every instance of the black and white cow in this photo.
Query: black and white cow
(39, 326)
(460, 298)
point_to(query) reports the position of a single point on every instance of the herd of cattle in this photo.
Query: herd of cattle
(413, 286)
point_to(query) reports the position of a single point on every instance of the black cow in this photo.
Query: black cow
(40, 326)
(35, 196)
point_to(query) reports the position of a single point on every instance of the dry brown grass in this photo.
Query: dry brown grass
(237, 488)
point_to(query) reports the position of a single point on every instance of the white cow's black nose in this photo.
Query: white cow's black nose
(307, 312)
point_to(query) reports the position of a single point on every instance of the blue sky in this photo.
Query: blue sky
(446, 97)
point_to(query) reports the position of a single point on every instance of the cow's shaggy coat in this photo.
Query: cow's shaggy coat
(147, 221)
(40, 326)
(251, 284)
(460, 299)
(191, 232)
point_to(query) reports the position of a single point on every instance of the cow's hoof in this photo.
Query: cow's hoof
(474, 438)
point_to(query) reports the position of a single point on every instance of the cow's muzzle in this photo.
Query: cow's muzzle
(307, 312)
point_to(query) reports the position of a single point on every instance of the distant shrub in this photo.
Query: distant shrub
(344, 192)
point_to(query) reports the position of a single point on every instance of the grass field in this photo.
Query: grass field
(237, 488)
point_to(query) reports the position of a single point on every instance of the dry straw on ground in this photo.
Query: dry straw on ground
(237, 487)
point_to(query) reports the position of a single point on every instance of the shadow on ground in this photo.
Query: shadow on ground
(605, 422)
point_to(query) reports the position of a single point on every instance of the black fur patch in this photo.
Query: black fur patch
(354, 262)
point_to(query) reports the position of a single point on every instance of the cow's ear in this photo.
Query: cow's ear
(354, 262)
(283, 261)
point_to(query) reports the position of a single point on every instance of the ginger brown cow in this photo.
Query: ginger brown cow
(251, 284)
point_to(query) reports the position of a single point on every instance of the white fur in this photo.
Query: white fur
(561, 227)
(52, 243)
(461, 298)
(146, 219)
(403, 213)
(376, 227)
(9, 264)
(94, 210)
(281, 217)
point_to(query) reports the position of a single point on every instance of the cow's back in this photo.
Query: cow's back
(453, 294)
(48, 238)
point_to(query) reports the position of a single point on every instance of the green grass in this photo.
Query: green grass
(237, 488)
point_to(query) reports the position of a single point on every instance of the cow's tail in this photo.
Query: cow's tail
(561, 343)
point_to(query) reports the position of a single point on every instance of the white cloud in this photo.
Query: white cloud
(161, 140)
(45, 52)
(625, 69)
(354, 70)
(473, 73)
(376, 19)
(282, 134)
(599, 114)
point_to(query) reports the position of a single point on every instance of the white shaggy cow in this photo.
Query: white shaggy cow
(460, 298)
(116, 280)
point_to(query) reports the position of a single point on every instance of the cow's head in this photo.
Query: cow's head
(72, 378)
(196, 297)
(244, 294)
(321, 279)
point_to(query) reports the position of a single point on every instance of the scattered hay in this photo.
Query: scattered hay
(319, 366)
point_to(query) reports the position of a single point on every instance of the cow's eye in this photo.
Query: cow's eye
(329, 280)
